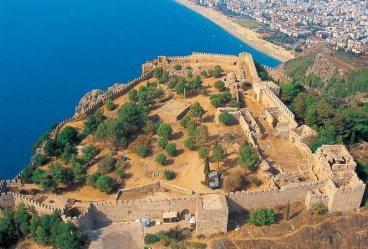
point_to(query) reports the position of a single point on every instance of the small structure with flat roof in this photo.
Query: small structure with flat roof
(170, 217)
(173, 111)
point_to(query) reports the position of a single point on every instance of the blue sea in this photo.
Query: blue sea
(54, 51)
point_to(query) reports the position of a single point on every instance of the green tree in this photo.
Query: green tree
(59, 173)
(217, 72)
(92, 179)
(48, 182)
(261, 216)
(161, 159)
(104, 184)
(288, 92)
(34, 223)
(68, 237)
(216, 101)
(225, 117)
(201, 135)
(220, 85)
(169, 174)
(151, 127)
(40, 140)
(171, 149)
(133, 94)
(68, 135)
(141, 150)
(287, 213)
(218, 154)
(39, 159)
(53, 148)
(196, 111)
(189, 143)
(109, 104)
(184, 121)
(225, 96)
(41, 236)
(203, 153)
(132, 116)
(204, 73)
(90, 126)
(162, 142)
(88, 153)
(68, 151)
(191, 127)
(8, 231)
(110, 131)
(164, 130)
(37, 176)
(177, 67)
(106, 164)
(180, 88)
(79, 172)
(248, 157)
(171, 84)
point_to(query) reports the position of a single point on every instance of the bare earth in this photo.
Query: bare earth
(246, 35)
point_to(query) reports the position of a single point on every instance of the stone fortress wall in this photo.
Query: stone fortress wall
(334, 181)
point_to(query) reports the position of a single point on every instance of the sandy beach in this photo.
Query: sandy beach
(246, 35)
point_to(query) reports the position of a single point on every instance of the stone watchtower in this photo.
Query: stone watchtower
(212, 213)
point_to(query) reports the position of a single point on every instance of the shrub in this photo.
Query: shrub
(133, 94)
(204, 92)
(219, 85)
(225, 96)
(225, 117)
(189, 143)
(171, 84)
(216, 101)
(261, 216)
(204, 73)
(109, 104)
(170, 149)
(234, 181)
(121, 173)
(162, 142)
(151, 238)
(141, 150)
(104, 183)
(319, 208)
(39, 159)
(184, 121)
(92, 179)
(106, 165)
(161, 158)
(203, 152)
(169, 174)
(177, 67)
(164, 130)
(68, 135)
(234, 103)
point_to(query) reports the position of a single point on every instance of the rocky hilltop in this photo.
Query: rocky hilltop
(329, 70)
(91, 98)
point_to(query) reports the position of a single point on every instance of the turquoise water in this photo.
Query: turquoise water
(54, 51)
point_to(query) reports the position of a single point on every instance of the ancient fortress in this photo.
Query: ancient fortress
(328, 177)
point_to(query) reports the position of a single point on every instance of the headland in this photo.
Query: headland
(246, 35)
(287, 170)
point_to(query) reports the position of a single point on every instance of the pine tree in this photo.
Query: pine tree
(287, 213)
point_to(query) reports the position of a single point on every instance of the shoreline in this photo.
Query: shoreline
(244, 34)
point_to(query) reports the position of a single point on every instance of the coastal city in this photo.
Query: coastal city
(343, 24)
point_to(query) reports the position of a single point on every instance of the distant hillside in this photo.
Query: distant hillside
(335, 72)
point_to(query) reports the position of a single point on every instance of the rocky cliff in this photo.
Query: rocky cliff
(91, 98)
